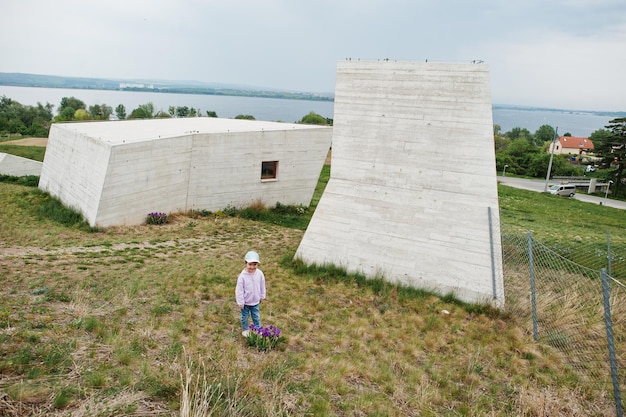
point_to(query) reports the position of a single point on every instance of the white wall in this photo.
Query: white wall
(226, 168)
(117, 172)
(17, 166)
(145, 177)
(412, 179)
(74, 169)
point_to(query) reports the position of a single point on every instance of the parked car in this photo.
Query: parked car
(564, 190)
(590, 168)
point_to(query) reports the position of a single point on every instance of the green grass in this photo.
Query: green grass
(44, 206)
(554, 218)
(574, 229)
(31, 152)
(114, 321)
(27, 180)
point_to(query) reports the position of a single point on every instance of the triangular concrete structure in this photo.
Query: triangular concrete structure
(412, 195)
(17, 166)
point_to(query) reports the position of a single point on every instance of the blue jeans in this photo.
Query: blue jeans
(256, 316)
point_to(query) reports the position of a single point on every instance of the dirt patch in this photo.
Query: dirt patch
(27, 142)
(19, 251)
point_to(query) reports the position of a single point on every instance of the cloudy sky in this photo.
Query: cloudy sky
(567, 54)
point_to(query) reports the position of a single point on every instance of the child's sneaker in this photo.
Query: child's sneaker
(245, 333)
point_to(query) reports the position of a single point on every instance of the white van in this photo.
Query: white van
(565, 190)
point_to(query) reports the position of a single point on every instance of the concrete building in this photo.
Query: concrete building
(115, 173)
(412, 195)
(17, 166)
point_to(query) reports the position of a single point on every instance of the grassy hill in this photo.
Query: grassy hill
(141, 320)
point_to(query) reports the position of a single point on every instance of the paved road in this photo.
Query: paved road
(539, 186)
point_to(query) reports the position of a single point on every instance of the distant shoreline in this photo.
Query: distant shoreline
(154, 86)
(568, 111)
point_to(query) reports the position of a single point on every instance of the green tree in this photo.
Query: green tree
(182, 111)
(211, 113)
(10, 120)
(144, 111)
(68, 107)
(25, 120)
(72, 102)
(612, 150)
(599, 136)
(120, 112)
(500, 141)
(545, 133)
(538, 166)
(66, 114)
(519, 133)
(162, 115)
(39, 119)
(314, 119)
(100, 111)
(245, 117)
(517, 156)
(81, 114)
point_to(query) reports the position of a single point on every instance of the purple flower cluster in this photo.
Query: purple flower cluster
(264, 338)
(269, 331)
(156, 218)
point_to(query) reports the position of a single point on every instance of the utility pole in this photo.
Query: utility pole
(556, 135)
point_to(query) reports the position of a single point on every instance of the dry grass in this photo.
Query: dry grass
(142, 321)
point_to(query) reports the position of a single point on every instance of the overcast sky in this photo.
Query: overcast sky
(567, 54)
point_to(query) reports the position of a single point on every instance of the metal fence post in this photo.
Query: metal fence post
(609, 337)
(532, 287)
(608, 252)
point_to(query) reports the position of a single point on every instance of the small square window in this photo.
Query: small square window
(269, 169)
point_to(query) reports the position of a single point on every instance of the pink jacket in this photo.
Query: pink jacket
(250, 289)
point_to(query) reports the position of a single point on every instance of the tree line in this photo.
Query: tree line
(24, 120)
(527, 154)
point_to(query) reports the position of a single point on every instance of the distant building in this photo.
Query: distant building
(115, 173)
(136, 85)
(571, 145)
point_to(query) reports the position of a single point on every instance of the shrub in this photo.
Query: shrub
(230, 211)
(27, 180)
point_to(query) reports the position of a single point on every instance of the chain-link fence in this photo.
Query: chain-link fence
(566, 306)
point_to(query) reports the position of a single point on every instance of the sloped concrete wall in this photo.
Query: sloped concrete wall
(116, 173)
(74, 169)
(17, 166)
(413, 179)
(145, 177)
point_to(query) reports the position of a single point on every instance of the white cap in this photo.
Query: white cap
(252, 256)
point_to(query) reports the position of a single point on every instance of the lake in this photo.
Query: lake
(225, 106)
(576, 123)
